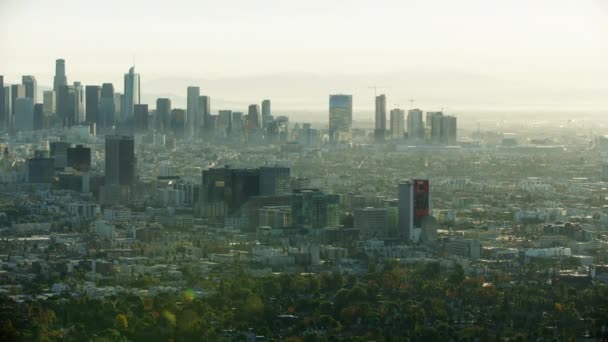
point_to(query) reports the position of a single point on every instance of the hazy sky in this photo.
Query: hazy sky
(541, 42)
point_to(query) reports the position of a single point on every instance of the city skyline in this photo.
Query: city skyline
(493, 63)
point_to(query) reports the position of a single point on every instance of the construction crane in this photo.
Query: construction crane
(375, 87)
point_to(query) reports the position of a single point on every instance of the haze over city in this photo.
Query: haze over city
(468, 56)
(306, 171)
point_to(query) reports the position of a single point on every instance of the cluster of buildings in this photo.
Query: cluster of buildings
(104, 186)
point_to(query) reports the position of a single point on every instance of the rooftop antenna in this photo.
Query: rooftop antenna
(412, 103)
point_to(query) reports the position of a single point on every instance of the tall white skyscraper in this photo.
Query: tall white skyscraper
(132, 93)
(193, 114)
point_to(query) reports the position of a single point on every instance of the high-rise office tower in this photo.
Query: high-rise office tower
(79, 114)
(58, 150)
(433, 122)
(253, 117)
(414, 204)
(380, 127)
(66, 102)
(266, 112)
(2, 103)
(60, 77)
(79, 158)
(48, 102)
(31, 87)
(6, 110)
(38, 116)
(132, 93)
(448, 130)
(120, 160)
(119, 107)
(140, 118)
(193, 116)
(92, 97)
(178, 122)
(225, 190)
(107, 109)
(204, 107)
(397, 123)
(24, 114)
(415, 126)
(236, 131)
(224, 123)
(163, 115)
(17, 91)
(340, 118)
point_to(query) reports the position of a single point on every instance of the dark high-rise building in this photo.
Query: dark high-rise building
(92, 99)
(79, 114)
(253, 117)
(8, 107)
(433, 121)
(312, 208)
(340, 118)
(107, 107)
(59, 151)
(380, 126)
(274, 180)
(66, 105)
(79, 158)
(266, 113)
(17, 91)
(140, 117)
(38, 116)
(40, 170)
(225, 190)
(60, 77)
(120, 160)
(193, 117)
(3, 113)
(24, 114)
(204, 107)
(163, 115)
(31, 87)
(414, 204)
(178, 122)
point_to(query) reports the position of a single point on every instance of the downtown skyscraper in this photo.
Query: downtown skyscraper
(397, 123)
(31, 87)
(60, 77)
(193, 113)
(119, 160)
(132, 95)
(340, 118)
(380, 123)
(415, 125)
